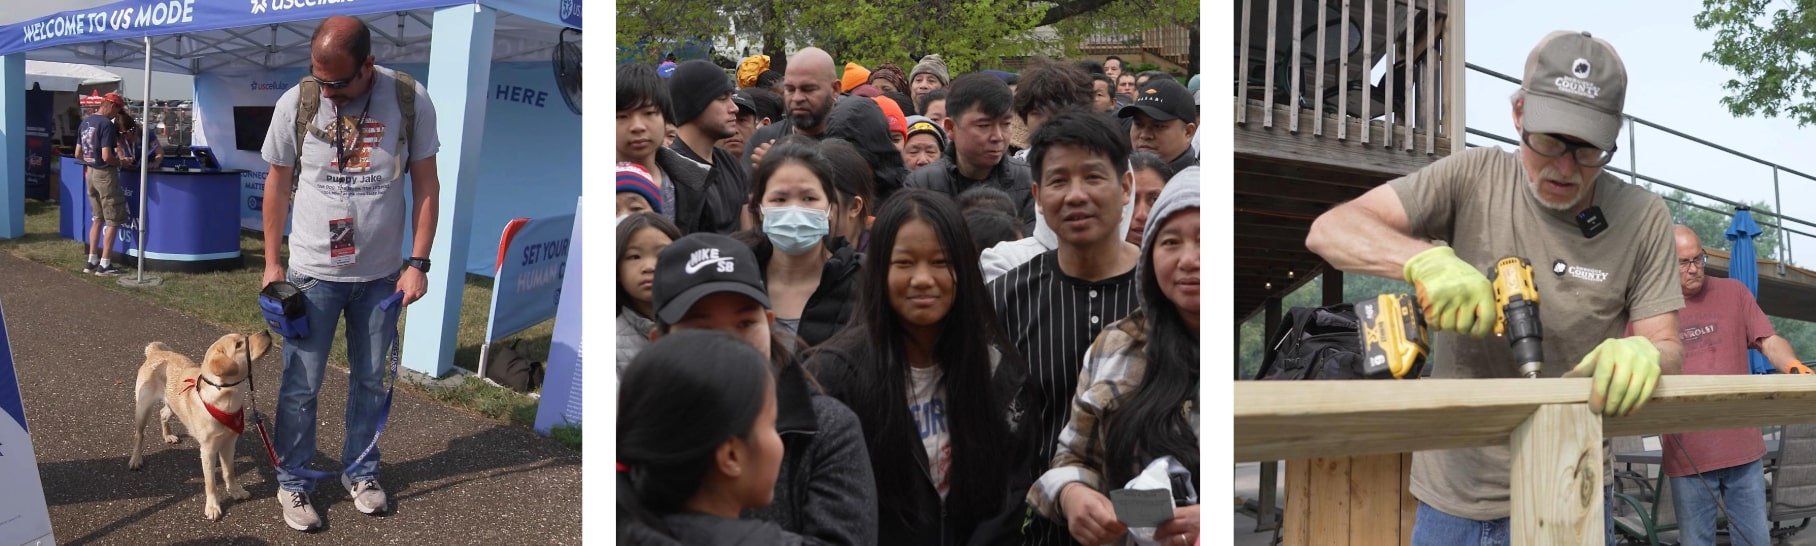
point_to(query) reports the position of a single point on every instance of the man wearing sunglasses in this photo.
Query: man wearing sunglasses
(1601, 251)
(348, 165)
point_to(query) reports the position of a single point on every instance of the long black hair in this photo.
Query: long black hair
(627, 228)
(879, 393)
(1152, 422)
(681, 399)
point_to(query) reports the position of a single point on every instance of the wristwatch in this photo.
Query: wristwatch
(421, 264)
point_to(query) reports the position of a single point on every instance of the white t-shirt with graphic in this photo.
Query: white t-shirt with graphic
(927, 401)
(363, 181)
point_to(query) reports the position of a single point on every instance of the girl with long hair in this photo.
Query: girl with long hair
(933, 380)
(697, 443)
(1138, 393)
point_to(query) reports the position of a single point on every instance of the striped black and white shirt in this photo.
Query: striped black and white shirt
(1053, 318)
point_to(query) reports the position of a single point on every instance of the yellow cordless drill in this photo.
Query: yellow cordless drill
(1394, 340)
(1518, 303)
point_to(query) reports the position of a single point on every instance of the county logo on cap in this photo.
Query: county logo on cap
(1575, 85)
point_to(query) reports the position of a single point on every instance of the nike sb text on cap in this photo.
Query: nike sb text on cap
(1575, 85)
(700, 265)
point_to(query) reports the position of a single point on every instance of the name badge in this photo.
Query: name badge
(341, 249)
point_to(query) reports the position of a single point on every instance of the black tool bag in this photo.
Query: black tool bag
(1315, 343)
(511, 369)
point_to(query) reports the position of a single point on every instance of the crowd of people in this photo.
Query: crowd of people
(905, 306)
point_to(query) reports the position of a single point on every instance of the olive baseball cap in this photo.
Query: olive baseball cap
(1575, 85)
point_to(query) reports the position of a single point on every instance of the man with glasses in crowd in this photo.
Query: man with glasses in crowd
(1600, 249)
(346, 244)
(1720, 322)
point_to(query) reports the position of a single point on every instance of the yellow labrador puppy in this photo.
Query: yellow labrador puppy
(210, 400)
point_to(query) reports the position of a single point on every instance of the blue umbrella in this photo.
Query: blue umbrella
(1743, 266)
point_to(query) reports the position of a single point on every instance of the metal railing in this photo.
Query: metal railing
(1167, 41)
(1320, 55)
(1776, 219)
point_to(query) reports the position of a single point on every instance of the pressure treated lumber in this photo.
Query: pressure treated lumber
(1276, 420)
(1557, 478)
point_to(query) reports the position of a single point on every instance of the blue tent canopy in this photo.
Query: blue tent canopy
(1743, 266)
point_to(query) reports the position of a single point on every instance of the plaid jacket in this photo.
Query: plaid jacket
(1114, 365)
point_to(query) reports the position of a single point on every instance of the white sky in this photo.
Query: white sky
(1668, 84)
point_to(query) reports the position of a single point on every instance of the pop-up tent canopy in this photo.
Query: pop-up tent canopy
(214, 36)
(54, 76)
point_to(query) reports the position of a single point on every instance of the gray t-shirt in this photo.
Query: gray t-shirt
(369, 188)
(1589, 289)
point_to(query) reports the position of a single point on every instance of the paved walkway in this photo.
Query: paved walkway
(453, 478)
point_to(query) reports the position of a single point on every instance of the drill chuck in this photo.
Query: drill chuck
(1524, 334)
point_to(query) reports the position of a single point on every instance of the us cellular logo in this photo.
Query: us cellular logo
(270, 86)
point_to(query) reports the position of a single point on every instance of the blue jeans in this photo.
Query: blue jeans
(370, 331)
(1743, 493)
(1436, 528)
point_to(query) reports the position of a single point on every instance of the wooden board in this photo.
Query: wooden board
(1330, 501)
(1298, 419)
(1557, 478)
(1409, 505)
(1374, 499)
(1280, 144)
(1296, 521)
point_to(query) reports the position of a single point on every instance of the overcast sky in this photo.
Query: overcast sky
(1668, 84)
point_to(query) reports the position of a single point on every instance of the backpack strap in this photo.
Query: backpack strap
(308, 102)
(406, 103)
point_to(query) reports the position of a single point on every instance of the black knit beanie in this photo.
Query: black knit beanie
(695, 85)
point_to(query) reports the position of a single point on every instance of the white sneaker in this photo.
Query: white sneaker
(368, 497)
(298, 513)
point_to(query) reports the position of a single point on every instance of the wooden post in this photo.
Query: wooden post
(1557, 477)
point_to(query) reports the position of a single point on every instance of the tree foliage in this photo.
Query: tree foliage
(968, 34)
(1771, 47)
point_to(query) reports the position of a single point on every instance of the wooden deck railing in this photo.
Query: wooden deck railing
(1555, 437)
(1319, 56)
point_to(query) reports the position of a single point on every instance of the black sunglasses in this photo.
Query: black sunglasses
(1550, 145)
(339, 84)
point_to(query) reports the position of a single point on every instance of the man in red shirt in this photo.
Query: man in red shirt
(1719, 322)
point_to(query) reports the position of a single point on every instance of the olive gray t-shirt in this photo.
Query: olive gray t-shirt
(1588, 289)
(368, 187)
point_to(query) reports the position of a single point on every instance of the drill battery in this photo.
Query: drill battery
(1394, 340)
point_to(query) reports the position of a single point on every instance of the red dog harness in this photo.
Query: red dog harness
(235, 421)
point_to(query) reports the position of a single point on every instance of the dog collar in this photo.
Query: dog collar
(235, 421)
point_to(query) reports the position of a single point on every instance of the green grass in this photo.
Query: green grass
(228, 299)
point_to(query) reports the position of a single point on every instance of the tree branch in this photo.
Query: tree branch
(1065, 9)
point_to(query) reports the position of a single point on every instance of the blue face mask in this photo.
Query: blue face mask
(794, 230)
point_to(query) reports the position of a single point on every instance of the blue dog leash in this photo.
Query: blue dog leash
(384, 415)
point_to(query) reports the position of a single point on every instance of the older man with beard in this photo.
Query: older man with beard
(1602, 250)
(811, 84)
(704, 113)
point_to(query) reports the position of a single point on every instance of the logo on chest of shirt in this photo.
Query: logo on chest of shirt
(354, 144)
(1562, 268)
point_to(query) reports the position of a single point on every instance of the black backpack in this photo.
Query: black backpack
(1315, 343)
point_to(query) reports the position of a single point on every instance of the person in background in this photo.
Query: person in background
(1052, 88)
(809, 273)
(704, 110)
(854, 76)
(863, 123)
(932, 105)
(991, 227)
(1112, 67)
(898, 123)
(1711, 469)
(979, 132)
(643, 108)
(98, 150)
(1137, 397)
(697, 444)
(928, 76)
(854, 179)
(750, 69)
(641, 237)
(1151, 176)
(1125, 87)
(636, 193)
(825, 491)
(771, 81)
(925, 143)
(812, 87)
(934, 381)
(130, 145)
(1054, 305)
(1103, 93)
(1164, 121)
(748, 121)
(888, 77)
(985, 197)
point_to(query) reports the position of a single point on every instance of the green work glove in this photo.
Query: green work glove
(1625, 372)
(1453, 294)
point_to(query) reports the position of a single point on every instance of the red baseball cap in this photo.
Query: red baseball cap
(113, 98)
